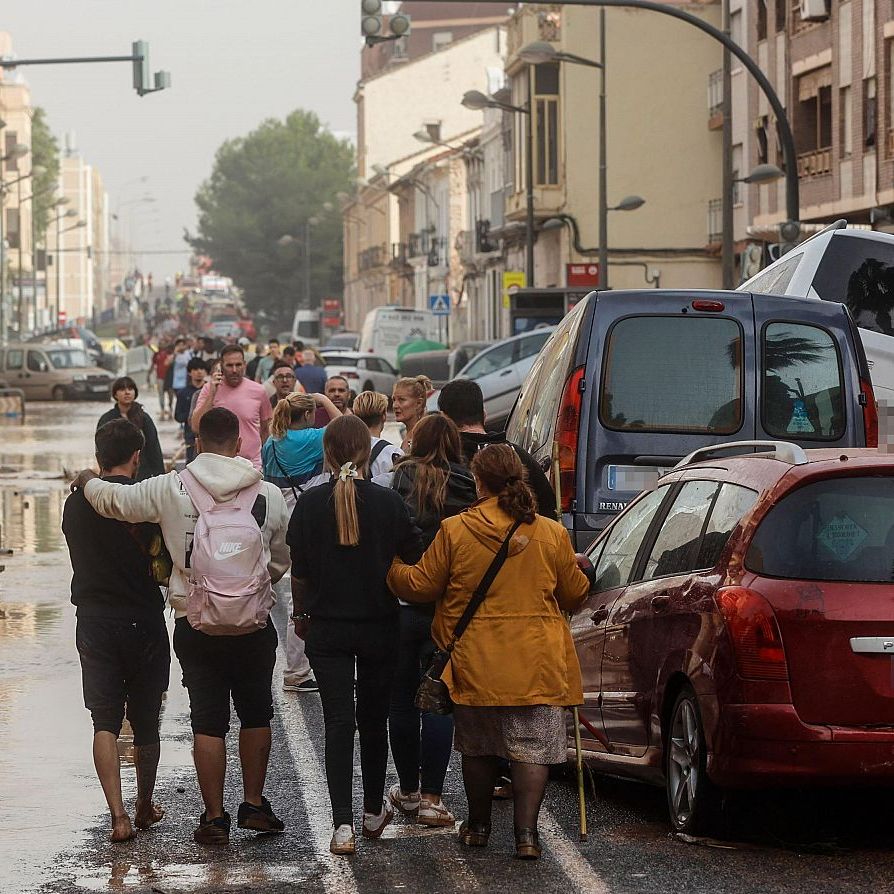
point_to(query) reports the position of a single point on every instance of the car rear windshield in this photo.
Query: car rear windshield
(673, 374)
(801, 384)
(839, 529)
(859, 272)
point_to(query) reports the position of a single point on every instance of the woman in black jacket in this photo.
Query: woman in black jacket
(434, 485)
(125, 394)
(343, 536)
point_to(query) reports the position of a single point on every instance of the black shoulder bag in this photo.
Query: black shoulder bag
(433, 695)
(286, 475)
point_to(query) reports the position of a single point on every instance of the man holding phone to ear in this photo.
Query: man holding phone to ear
(229, 388)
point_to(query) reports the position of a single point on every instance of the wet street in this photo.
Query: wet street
(53, 828)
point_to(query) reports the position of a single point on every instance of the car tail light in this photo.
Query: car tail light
(709, 306)
(567, 430)
(752, 626)
(870, 413)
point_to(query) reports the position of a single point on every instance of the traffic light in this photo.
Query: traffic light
(370, 18)
(143, 80)
(372, 23)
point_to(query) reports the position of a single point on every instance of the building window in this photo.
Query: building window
(12, 161)
(870, 112)
(813, 123)
(889, 55)
(846, 121)
(763, 150)
(761, 19)
(441, 39)
(546, 129)
(780, 15)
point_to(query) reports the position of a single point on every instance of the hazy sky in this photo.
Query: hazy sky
(233, 63)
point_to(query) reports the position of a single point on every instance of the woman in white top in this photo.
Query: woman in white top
(370, 407)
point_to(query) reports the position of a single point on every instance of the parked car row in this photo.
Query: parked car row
(53, 371)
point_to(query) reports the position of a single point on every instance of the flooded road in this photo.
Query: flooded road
(53, 823)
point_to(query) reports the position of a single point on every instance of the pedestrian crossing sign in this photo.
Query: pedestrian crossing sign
(439, 305)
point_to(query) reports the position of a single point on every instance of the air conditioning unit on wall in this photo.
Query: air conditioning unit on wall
(814, 10)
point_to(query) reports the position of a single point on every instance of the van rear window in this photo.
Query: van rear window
(801, 395)
(840, 529)
(673, 374)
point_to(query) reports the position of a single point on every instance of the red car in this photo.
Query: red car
(740, 631)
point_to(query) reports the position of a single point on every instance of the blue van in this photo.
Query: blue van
(631, 382)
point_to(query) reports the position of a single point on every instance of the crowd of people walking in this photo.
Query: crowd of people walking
(435, 566)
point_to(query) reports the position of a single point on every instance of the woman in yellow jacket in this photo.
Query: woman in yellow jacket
(514, 670)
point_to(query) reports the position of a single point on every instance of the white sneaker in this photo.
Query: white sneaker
(374, 823)
(408, 804)
(431, 814)
(342, 842)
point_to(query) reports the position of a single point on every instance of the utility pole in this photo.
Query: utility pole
(728, 259)
(603, 161)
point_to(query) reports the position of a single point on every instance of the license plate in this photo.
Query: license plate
(632, 479)
(99, 388)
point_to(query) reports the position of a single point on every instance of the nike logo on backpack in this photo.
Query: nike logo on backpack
(228, 550)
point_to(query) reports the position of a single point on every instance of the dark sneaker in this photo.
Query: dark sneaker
(216, 831)
(259, 819)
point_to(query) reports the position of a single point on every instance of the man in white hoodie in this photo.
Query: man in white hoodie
(215, 668)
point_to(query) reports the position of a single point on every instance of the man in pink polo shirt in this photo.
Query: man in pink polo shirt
(248, 400)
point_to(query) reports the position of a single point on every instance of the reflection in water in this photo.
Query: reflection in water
(31, 516)
(23, 620)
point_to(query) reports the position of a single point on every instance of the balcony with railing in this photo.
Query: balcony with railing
(816, 163)
(372, 258)
(715, 100)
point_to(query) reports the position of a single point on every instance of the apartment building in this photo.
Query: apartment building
(17, 286)
(832, 63)
(402, 221)
(81, 288)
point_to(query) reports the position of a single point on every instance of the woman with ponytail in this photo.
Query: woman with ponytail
(514, 669)
(344, 536)
(293, 454)
(409, 398)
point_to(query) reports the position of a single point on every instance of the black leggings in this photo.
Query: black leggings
(333, 649)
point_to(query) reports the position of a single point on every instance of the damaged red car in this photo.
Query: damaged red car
(740, 631)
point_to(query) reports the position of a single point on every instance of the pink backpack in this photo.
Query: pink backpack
(230, 593)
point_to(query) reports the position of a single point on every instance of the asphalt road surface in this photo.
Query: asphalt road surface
(53, 830)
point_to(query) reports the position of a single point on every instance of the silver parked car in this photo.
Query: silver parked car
(500, 370)
(364, 372)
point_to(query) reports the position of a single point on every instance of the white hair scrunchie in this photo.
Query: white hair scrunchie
(348, 470)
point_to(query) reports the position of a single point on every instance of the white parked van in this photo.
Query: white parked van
(855, 268)
(306, 327)
(386, 328)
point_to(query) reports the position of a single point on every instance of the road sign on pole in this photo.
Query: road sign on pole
(439, 305)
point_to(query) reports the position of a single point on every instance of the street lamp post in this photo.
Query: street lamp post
(539, 52)
(477, 101)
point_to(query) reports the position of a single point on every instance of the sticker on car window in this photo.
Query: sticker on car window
(842, 537)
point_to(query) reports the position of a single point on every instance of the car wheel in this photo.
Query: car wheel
(59, 393)
(693, 801)
(368, 386)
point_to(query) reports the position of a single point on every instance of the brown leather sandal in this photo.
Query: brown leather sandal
(474, 834)
(527, 844)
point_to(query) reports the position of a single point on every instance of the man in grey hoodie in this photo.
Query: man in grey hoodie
(215, 668)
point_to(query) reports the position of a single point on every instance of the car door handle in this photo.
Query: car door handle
(506, 372)
(600, 614)
(660, 603)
